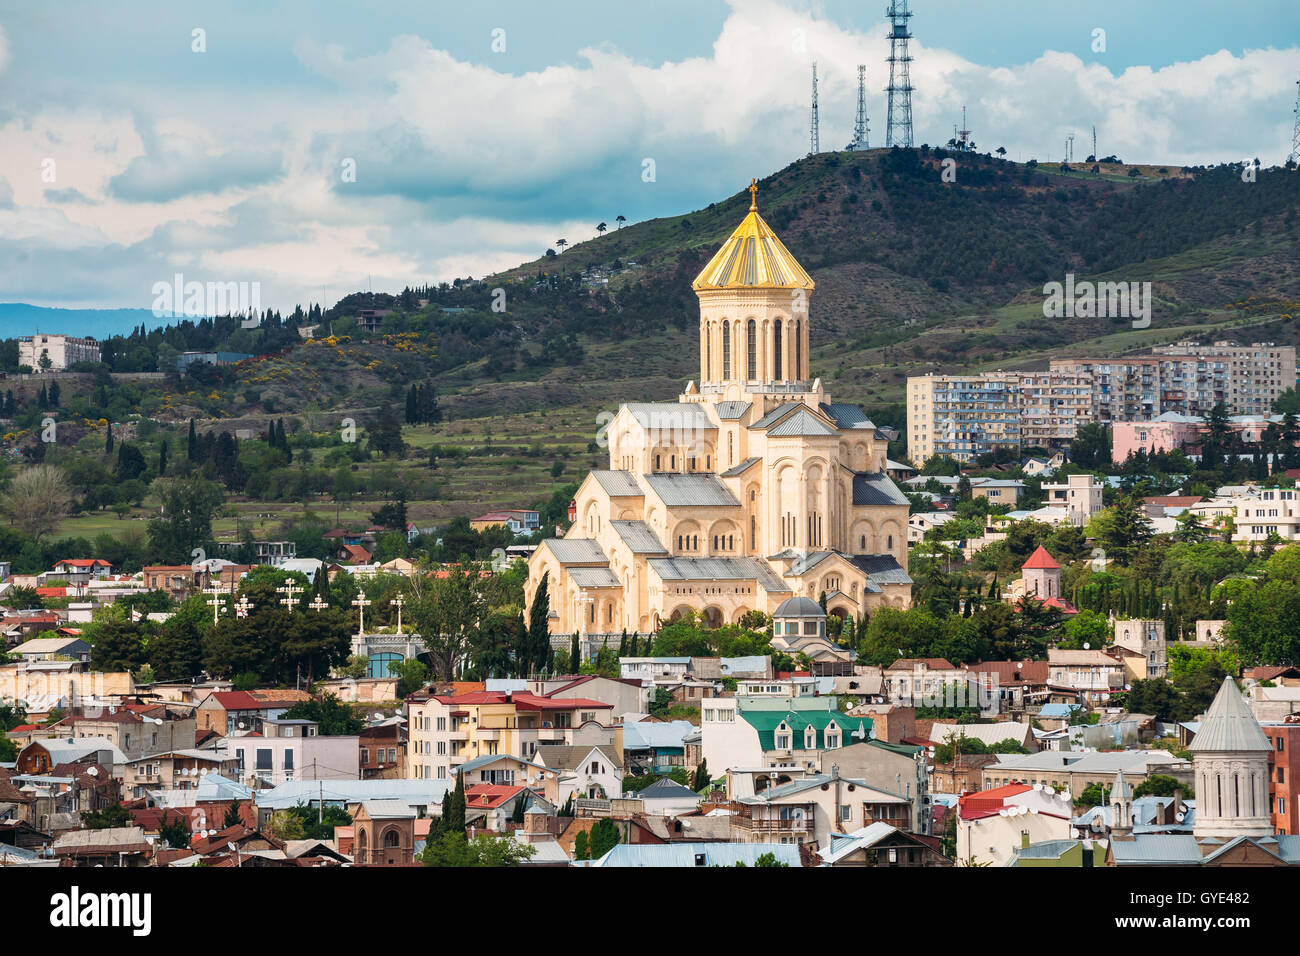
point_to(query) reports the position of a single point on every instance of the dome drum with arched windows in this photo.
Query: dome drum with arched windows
(752, 489)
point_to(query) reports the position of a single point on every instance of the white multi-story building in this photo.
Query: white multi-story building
(1080, 495)
(1275, 511)
(61, 350)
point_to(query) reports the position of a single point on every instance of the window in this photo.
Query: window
(776, 350)
(726, 350)
(751, 344)
(798, 351)
(392, 754)
(365, 755)
(846, 813)
(263, 758)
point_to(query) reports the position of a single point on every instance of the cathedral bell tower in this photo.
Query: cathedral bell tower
(754, 298)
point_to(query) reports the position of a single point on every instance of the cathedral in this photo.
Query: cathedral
(752, 488)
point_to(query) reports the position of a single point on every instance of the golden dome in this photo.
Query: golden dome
(753, 258)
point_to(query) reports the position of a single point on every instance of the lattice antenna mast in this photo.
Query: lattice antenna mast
(814, 134)
(861, 134)
(1295, 131)
(898, 131)
(1094, 144)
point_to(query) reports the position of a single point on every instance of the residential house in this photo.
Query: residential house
(227, 712)
(1093, 674)
(1080, 495)
(583, 771)
(908, 680)
(287, 750)
(111, 847)
(1015, 684)
(383, 833)
(178, 580)
(1075, 772)
(53, 649)
(174, 770)
(509, 770)
(778, 732)
(383, 751)
(881, 844)
(653, 746)
(446, 730)
(992, 825)
(625, 695)
(812, 808)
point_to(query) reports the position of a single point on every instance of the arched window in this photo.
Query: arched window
(751, 343)
(708, 352)
(863, 543)
(889, 546)
(726, 350)
(798, 349)
(731, 449)
(776, 351)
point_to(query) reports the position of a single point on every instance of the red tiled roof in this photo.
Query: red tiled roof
(1040, 559)
(1015, 672)
(84, 562)
(983, 802)
(489, 796)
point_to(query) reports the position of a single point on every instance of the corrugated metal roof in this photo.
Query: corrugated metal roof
(719, 569)
(688, 491)
(876, 488)
(697, 854)
(651, 735)
(730, 411)
(740, 469)
(666, 416)
(801, 423)
(1153, 849)
(1229, 725)
(639, 537)
(576, 551)
(882, 569)
(777, 414)
(593, 577)
(618, 484)
(847, 415)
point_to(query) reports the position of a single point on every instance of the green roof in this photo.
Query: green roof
(799, 720)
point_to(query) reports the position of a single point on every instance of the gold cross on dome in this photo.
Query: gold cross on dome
(753, 195)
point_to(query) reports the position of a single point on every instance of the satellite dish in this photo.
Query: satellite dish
(1087, 646)
(93, 771)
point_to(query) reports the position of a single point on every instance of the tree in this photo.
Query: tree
(188, 506)
(117, 644)
(620, 220)
(702, 780)
(447, 613)
(232, 815)
(601, 228)
(604, 837)
(174, 834)
(452, 849)
(1161, 785)
(411, 676)
(286, 825)
(1091, 446)
(39, 498)
(113, 815)
(336, 718)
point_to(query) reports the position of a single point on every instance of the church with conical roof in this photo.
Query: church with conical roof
(752, 488)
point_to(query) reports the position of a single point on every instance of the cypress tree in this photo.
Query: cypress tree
(575, 653)
(162, 458)
(193, 448)
(108, 441)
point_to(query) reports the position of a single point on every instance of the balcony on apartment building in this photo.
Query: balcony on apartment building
(783, 819)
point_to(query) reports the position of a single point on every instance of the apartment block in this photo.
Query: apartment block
(1189, 378)
(61, 350)
(962, 416)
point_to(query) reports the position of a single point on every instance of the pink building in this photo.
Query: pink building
(1170, 431)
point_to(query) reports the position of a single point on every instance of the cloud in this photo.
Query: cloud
(177, 173)
(463, 168)
(4, 50)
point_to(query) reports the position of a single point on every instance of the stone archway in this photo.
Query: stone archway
(713, 616)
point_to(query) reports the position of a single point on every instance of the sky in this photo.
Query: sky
(324, 147)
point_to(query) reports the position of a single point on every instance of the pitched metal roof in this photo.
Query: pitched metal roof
(576, 551)
(594, 577)
(847, 415)
(801, 423)
(670, 415)
(730, 411)
(740, 469)
(618, 484)
(697, 854)
(639, 537)
(719, 569)
(1229, 725)
(666, 788)
(688, 491)
(876, 488)
(754, 258)
(882, 569)
(777, 414)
